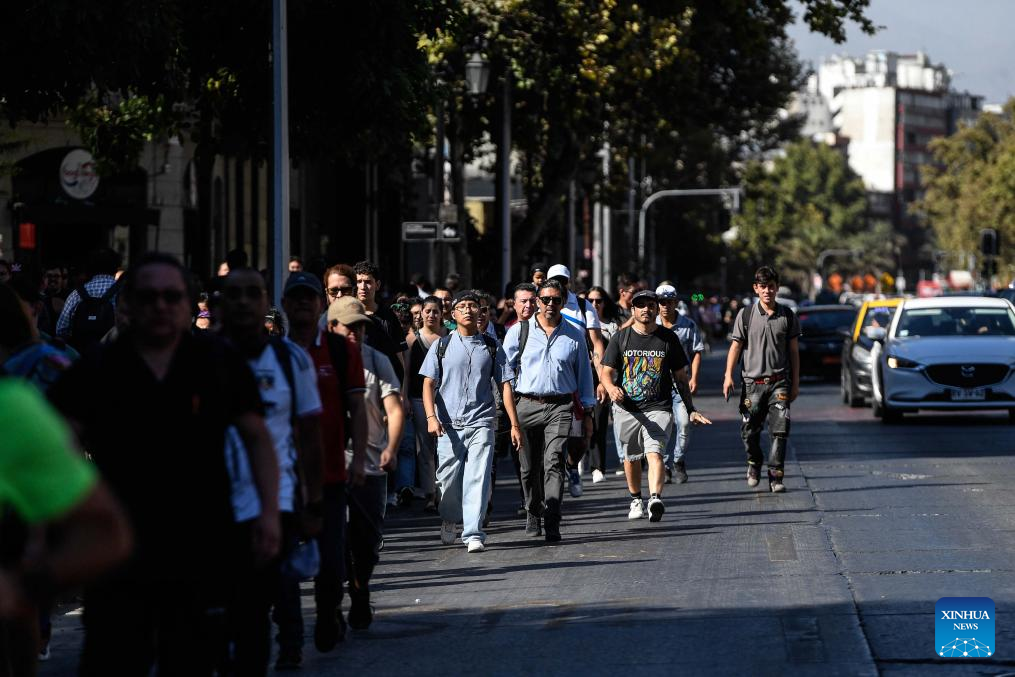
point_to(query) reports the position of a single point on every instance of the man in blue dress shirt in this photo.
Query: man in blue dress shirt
(551, 365)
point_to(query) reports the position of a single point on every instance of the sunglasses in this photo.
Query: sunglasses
(643, 303)
(148, 297)
(335, 292)
(252, 292)
(551, 300)
(596, 301)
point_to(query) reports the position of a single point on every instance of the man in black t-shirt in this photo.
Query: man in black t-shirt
(152, 409)
(651, 363)
(384, 332)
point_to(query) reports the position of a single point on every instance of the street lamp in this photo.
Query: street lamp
(477, 73)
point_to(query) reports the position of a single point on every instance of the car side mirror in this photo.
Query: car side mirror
(875, 333)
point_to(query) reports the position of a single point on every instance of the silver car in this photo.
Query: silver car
(948, 354)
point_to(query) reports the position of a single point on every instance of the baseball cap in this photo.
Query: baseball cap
(303, 279)
(466, 295)
(347, 310)
(538, 268)
(666, 291)
(558, 270)
(645, 294)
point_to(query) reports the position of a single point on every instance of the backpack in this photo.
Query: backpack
(749, 313)
(442, 348)
(93, 317)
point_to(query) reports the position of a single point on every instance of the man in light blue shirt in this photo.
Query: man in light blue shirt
(551, 364)
(458, 399)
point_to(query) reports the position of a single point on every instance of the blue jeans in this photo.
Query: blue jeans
(405, 475)
(464, 464)
(677, 445)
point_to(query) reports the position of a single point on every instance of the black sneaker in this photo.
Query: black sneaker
(431, 505)
(289, 658)
(329, 631)
(405, 497)
(753, 475)
(669, 475)
(532, 526)
(680, 471)
(361, 614)
(775, 484)
(551, 526)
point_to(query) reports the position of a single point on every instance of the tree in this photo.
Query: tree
(801, 204)
(971, 186)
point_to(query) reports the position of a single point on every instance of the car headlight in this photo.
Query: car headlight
(895, 362)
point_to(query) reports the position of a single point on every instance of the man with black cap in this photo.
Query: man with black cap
(651, 362)
(458, 397)
(551, 364)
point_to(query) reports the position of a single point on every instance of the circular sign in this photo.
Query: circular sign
(77, 174)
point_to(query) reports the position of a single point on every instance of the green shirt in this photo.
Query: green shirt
(41, 475)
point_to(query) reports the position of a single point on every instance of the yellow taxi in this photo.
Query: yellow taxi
(855, 378)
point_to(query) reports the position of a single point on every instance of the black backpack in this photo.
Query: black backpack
(442, 348)
(93, 318)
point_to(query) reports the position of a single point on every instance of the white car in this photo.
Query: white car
(946, 353)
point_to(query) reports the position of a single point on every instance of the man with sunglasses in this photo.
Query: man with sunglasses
(459, 372)
(339, 281)
(690, 340)
(651, 363)
(293, 411)
(152, 409)
(551, 364)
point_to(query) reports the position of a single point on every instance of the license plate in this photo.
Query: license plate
(969, 395)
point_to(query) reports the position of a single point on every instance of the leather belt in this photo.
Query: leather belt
(547, 399)
(766, 380)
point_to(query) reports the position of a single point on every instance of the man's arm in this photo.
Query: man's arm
(433, 423)
(794, 366)
(682, 386)
(695, 365)
(358, 427)
(609, 375)
(264, 468)
(508, 395)
(731, 362)
(584, 378)
(396, 420)
(63, 322)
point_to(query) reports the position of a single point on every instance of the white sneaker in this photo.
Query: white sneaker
(637, 509)
(597, 476)
(656, 508)
(476, 546)
(447, 533)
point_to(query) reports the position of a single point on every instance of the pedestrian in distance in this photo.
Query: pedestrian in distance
(420, 343)
(89, 312)
(550, 360)
(384, 333)
(650, 363)
(766, 335)
(152, 409)
(691, 341)
(461, 412)
(341, 386)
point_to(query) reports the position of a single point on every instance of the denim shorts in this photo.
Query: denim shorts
(642, 432)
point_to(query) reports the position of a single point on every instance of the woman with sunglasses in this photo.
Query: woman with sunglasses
(419, 344)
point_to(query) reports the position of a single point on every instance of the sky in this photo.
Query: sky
(972, 38)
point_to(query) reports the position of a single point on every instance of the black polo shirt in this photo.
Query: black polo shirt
(160, 445)
(384, 334)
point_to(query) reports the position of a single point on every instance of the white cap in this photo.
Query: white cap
(558, 270)
(666, 291)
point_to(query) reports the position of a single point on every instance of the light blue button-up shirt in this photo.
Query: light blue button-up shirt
(464, 398)
(551, 365)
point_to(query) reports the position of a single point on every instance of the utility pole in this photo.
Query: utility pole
(280, 149)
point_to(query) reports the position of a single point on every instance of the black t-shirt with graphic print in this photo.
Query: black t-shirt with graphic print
(646, 364)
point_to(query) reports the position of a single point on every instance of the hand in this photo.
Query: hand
(698, 419)
(794, 392)
(693, 385)
(267, 536)
(357, 473)
(389, 460)
(601, 393)
(517, 437)
(434, 427)
(616, 394)
(727, 387)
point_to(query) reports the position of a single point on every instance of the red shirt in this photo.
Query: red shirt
(333, 434)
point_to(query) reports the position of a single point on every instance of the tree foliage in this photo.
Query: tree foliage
(971, 186)
(803, 203)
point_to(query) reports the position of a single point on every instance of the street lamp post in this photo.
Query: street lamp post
(733, 193)
(280, 148)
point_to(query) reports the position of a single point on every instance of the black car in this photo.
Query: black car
(823, 329)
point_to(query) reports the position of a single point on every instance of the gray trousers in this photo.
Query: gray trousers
(760, 402)
(546, 428)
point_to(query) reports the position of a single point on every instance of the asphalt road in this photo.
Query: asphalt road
(838, 576)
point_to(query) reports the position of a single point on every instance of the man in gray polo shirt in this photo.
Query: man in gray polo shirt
(766, 334)
(458, 372)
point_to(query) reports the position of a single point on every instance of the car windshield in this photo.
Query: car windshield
(878, 316)
(956, 322)
(826, 321)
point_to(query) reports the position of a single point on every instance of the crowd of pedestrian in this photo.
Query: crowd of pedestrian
(221, 450)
